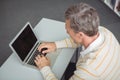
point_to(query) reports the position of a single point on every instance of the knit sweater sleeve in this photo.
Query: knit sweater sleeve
(66, 43)
(47, 73)
(81, 73)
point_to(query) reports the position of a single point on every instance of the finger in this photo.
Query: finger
(35, 62)
(37, 58)
(41, 46)
(42, 56)
(47, 58)
(46, 51)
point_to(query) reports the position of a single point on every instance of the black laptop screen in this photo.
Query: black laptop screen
(24, 42)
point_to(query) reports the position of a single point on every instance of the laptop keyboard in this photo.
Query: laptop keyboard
(31, 61)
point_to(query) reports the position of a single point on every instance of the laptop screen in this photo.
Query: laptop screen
(24, 42)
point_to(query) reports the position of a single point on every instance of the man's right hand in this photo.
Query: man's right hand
(51, 46)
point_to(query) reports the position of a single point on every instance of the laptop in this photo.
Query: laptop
(25, 45)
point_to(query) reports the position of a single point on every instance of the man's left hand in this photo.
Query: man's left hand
(42, 61)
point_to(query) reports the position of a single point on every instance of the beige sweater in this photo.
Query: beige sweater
(99, 61)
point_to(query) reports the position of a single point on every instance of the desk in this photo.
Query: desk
(46, 30)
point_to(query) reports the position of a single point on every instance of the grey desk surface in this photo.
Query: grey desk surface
(46, 30)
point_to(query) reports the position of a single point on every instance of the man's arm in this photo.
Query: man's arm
(48, 74)
(43, 63)
(66, 43)
(52, 46)
(81, 73)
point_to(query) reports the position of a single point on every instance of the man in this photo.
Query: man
(100, 55)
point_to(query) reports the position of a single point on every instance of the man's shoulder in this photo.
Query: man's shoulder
(104, 30)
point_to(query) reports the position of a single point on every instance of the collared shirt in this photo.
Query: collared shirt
(93, 46)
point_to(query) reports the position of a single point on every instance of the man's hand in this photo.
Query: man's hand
(41, 61)
(51, 46)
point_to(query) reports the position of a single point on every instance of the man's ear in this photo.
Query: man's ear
(80, 35)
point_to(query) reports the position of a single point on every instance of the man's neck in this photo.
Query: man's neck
(88, 40)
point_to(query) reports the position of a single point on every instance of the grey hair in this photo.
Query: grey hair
(83, 18)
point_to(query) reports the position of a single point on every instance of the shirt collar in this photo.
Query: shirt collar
(93, 46)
